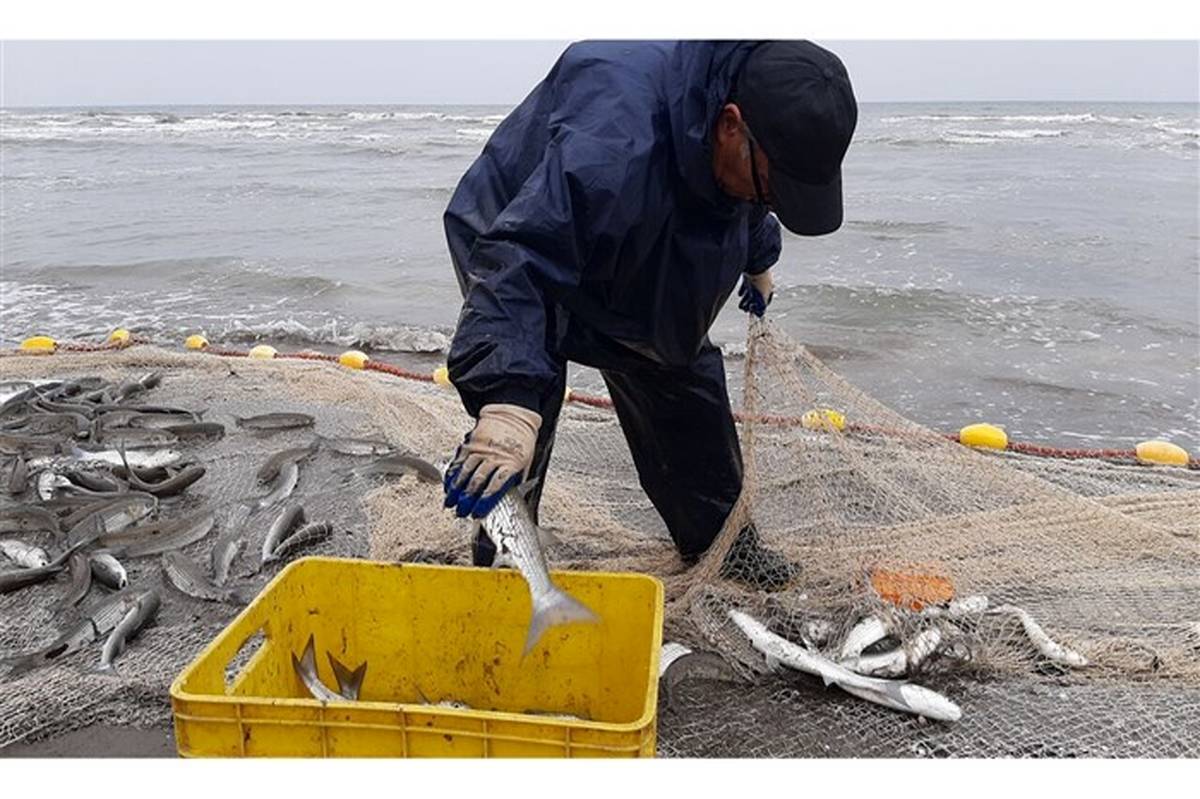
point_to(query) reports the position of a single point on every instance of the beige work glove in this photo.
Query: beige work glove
(493, 458)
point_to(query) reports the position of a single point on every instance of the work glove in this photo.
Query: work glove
(756, 292)
(492, 459)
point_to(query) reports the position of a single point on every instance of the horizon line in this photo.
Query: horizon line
(1192, 101)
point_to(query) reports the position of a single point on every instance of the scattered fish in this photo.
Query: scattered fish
(108, 517)
(308, 534)
(23, 578)
(269, 470)
(97, 481)
(519, 544)
(136, 437)
(868, 631)
(402, 464)
(186, 575)
(899, 661)
(81, 579)
(281, 528)
(49, 483)
(356, 446)
(162, 535)
(224, 553)
(902, 696)
(211, 431)
(275, 421)
(24, 555)
(17, 444)
(138, 458)
(28, 519)
(282, 488)
(92, 625)
(108, 571)
(229, 545)
(175, 484)
(145, 608)
(1049, 649)
(18, 477)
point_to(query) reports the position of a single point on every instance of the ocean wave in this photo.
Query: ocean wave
(897, 226)
(970, 136)
(377, 338)
(474, 134)
(1036, 118)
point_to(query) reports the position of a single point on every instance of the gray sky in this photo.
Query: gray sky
(34, 73)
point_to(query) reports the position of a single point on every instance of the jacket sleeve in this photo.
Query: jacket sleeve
(765, 243)
(572, 212)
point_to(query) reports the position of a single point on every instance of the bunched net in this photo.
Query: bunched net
(1103, 555)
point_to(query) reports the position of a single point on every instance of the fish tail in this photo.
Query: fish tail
(349, 682)
(242, 596)
(555, 608)
(20, 664)
(107, 670)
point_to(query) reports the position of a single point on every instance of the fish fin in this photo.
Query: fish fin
(522, 490)
(548, 537)
(349, 682)
(242, 596)
(558, 607)
(308, 660)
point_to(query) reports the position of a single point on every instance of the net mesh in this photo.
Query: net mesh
(1104, 556)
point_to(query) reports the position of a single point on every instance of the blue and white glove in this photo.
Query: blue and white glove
(756, 292)
(492, 459)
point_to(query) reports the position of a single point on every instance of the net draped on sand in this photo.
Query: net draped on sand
(1105, 556)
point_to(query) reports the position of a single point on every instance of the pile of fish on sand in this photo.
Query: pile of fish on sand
(96, 477)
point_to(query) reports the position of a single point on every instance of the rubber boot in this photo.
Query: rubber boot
(755, 566)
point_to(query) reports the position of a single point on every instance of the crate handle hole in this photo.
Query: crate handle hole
(247, 652)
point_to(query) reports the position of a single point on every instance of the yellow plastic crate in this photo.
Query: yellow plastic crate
(438, 632)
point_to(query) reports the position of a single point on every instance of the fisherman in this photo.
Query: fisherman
(606, 222)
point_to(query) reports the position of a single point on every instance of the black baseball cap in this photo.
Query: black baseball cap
(797, 101)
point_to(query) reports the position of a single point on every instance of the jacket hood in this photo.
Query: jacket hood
(701, 79)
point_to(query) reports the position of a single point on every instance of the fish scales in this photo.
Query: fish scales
(186, 575)
(518, 543)
(144, 609)
(308, 534)
(160, 536)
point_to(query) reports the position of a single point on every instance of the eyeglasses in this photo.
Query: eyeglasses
(761, 199)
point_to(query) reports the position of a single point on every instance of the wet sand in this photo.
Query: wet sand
(100, 741)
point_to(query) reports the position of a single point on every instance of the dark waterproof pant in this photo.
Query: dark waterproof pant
(680, 430)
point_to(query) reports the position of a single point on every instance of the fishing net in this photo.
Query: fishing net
(884, 518)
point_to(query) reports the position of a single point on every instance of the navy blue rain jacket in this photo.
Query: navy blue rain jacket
(591, 227)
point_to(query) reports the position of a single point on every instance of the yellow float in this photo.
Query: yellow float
(1162, 452)
(987, 436)
(39, 344)
(353, 359)
(823, 419)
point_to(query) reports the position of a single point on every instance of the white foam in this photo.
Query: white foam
(1037, 118)
(474, 134)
